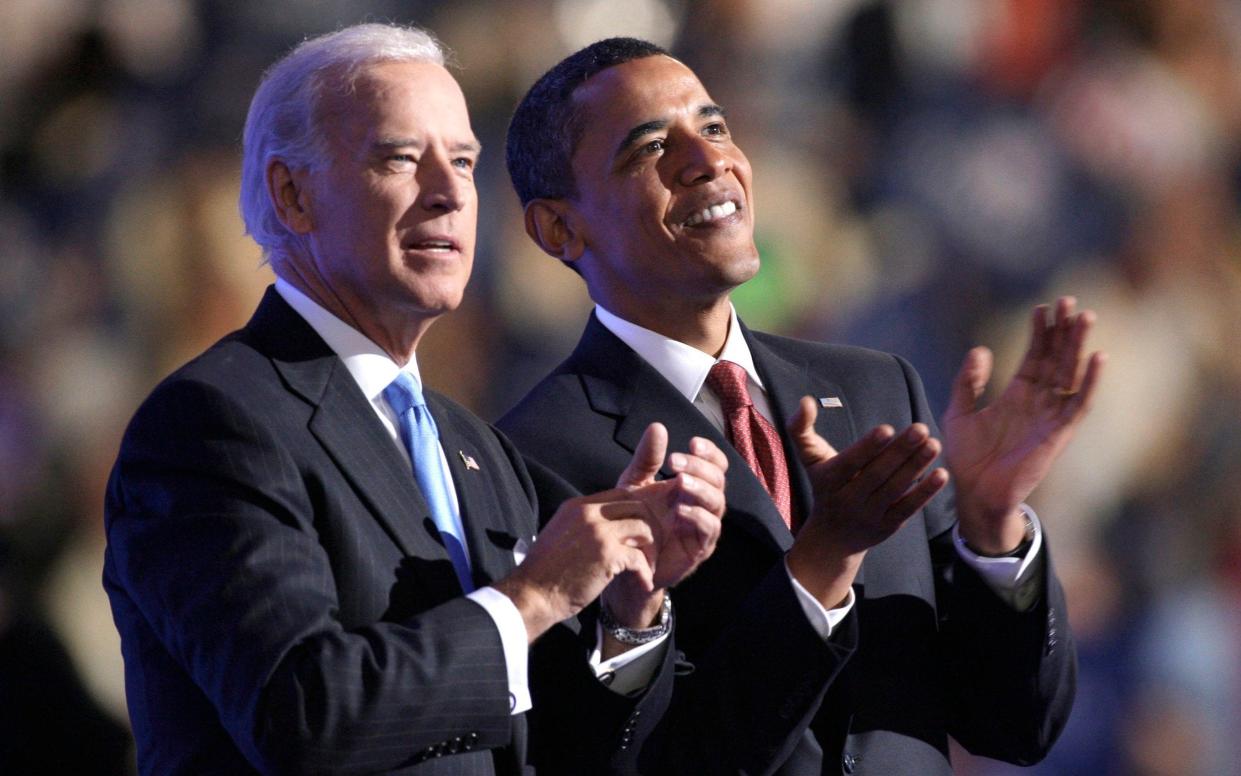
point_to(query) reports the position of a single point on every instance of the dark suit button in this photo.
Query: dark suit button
(606, 678)
(637, 713)
(849, 762)
(472, 738)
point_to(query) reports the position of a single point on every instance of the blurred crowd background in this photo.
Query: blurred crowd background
(925, 172)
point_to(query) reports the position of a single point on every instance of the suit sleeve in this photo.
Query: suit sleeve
(578, 725)
(212, 535)
(701, 717)
(1010, 675)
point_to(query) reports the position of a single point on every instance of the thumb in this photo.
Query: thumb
(811, 447)
(648, 456)
(970, 382)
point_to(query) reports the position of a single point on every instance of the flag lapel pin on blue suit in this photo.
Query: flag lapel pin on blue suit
(468, 460)
(830, 401)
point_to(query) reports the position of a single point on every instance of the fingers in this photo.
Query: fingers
(970, 382)
(627, 522)
(891, 472)
(905, 475)
(648, 456)
(691, 491)
(697, 524)
(1079, 403)
(704, 461)
(1068, 359)
(918, 496)
(848, 464)
(636, 562)
(1057, 340)
(811, 447)
(1040, 345)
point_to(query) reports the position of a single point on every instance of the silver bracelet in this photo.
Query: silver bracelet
(637, 636)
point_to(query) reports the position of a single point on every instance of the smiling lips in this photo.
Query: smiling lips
(434, 245)
(712, 213)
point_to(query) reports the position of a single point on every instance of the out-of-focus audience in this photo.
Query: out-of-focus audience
(930, 169)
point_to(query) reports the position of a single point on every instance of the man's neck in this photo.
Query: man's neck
(703, 326)
(399, 339)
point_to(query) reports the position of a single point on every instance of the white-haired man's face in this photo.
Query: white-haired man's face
(389, 220)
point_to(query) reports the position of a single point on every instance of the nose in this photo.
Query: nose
(442, 186)
(704, 161)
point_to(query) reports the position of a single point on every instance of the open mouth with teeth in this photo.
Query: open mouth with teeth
(434, 246)
(713, 213)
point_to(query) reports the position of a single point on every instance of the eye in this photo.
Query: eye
(716, 128)
(463, 163)
(653, 146)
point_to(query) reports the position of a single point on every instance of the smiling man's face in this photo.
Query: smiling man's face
(663, 201)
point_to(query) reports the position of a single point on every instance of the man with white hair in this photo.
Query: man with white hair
(315, 564)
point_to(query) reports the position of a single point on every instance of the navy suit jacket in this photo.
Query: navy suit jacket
(284, 601)
(928, 651)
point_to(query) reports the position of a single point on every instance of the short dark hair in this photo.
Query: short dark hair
(545, 128)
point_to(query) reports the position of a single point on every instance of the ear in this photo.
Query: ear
(550, 223)
(288, 196)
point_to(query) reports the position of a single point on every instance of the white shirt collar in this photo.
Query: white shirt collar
(372, 368)
(683, 366)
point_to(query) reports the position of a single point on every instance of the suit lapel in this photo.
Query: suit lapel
(488, 532)
(344, 422)
(618, 382)
(786, 382)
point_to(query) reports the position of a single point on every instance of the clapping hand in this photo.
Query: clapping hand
(999, 453)
(862, 495)
(686, 508)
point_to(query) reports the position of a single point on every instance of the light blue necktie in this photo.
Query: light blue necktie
(421, 439)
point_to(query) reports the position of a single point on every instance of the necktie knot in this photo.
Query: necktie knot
(727, 380)
(404, 393)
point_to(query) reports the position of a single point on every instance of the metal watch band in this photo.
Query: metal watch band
(637, 636)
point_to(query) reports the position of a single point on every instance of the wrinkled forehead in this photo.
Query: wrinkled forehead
(409, 94)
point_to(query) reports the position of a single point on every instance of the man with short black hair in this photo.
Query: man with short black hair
(857, 612)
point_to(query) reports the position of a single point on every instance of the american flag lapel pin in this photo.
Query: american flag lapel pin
(830, 401)
(468, 460)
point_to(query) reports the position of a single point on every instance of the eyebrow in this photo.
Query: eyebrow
(390, 143)
(645, 128)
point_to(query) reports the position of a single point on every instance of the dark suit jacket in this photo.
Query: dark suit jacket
(284, 601)
(928, 651)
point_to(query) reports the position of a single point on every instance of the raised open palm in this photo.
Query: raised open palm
(998, 454)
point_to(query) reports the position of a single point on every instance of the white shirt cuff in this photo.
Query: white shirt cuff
(514, 640)
(822, 619)
(631, 670)
(1005, 576)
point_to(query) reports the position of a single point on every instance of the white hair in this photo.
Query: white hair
(283, 122)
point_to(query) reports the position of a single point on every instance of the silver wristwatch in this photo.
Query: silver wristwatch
(637, 636)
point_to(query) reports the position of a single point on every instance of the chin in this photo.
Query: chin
(742, 267)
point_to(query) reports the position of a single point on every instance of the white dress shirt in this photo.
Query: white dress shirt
(686, 368)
